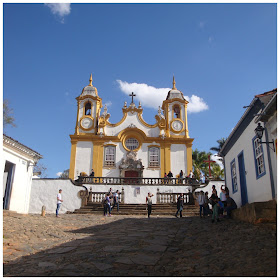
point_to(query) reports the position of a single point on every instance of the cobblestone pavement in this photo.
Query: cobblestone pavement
(93, 245)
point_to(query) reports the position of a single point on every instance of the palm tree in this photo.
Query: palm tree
(221, 143)
(198, 162)
(217, 172)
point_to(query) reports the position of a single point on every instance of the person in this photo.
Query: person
(181, 174)
(206, 205)
(227, 190)
(201, 202)
(180, 205)
(223, 196)
(116, 200)
(191, 174)
(149, 203)
(59, 201)
(165, 178)
(202, 180)
(107, 205)
(215, 215)
(221, 207)
(231, 205)
(92, 173)
(214, 191)
(170, 175)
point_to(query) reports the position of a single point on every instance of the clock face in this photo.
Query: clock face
(86, 123)
(177, 125)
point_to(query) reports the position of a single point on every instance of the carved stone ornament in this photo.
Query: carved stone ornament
(131, 163)
(132, 125)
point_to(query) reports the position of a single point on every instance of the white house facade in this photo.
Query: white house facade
(250, 164)
(18, 162)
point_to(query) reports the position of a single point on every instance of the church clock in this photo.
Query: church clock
(177, 126)
(86, 123)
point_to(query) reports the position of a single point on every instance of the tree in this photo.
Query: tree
(64, 174)
(217, 172)
(198, 162)
(8, 118)
(41, 169)
(221, 143)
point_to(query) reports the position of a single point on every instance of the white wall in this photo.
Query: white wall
(131, 119)
(84, 154)
(21, 186)
(178, 159)
(257, 189)
(44, 192)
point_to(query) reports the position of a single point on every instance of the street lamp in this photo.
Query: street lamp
(259, 133)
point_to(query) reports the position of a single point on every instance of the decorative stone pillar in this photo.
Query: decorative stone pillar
(122, 200)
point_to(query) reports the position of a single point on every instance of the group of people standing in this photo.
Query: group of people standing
(219, 205)
(110, 201)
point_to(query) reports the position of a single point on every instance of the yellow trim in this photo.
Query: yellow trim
(132, 135)
(176, 131)
(84, 107)
(85, 117)
(174, 105)
(73, 160)
(186, 123)
(117, 124)
(189, 158)
(77, 121)
(146, 124)
(97, 158)
(165, 159)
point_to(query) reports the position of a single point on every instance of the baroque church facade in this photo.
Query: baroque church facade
(130, 147)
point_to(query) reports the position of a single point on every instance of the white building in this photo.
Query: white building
(18, 162)
(250, 165)
(130, 147)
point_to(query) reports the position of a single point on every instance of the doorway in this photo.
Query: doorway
(8, 183)
(242, 175)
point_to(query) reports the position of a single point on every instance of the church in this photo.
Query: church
(130, 147)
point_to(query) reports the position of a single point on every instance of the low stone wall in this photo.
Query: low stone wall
(44, 192)
(256, 212)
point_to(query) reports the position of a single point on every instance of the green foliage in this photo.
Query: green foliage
(217, 172)
(8, 118)
(198, 162)
(221, 143)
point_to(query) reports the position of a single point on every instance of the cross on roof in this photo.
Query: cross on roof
(132, 95)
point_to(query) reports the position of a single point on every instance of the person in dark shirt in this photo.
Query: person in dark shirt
(231, 205)
(180, 205)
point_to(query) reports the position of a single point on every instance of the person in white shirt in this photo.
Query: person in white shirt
(59, 201)
(201, 202)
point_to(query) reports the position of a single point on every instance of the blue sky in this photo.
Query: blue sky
(221, 55)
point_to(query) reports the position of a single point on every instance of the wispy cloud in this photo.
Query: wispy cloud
(58, 174)
(152, 97)
(108, 103)
(210, 39)
(60, 9)
(201, 24)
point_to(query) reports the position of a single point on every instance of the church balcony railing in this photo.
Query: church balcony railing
(167, 198)
(136, 181)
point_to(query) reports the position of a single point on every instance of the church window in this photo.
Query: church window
(259, 158)
(176, 112)
(88, 109)
(131, 144)
(233, 176)
(110, 153)
(154, 157)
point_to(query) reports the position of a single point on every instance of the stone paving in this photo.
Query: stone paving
(93, 245)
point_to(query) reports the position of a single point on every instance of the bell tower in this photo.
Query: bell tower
(89, 106)
(175, 112)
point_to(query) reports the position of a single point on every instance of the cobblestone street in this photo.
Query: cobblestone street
(93, 245)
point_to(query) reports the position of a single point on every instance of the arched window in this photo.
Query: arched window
(154, 157)
(176, 112)
(109, 156)
(88, 109)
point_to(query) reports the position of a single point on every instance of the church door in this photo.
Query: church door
(131, 173)
(242, 174)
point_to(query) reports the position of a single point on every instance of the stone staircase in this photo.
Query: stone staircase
(139, 209)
